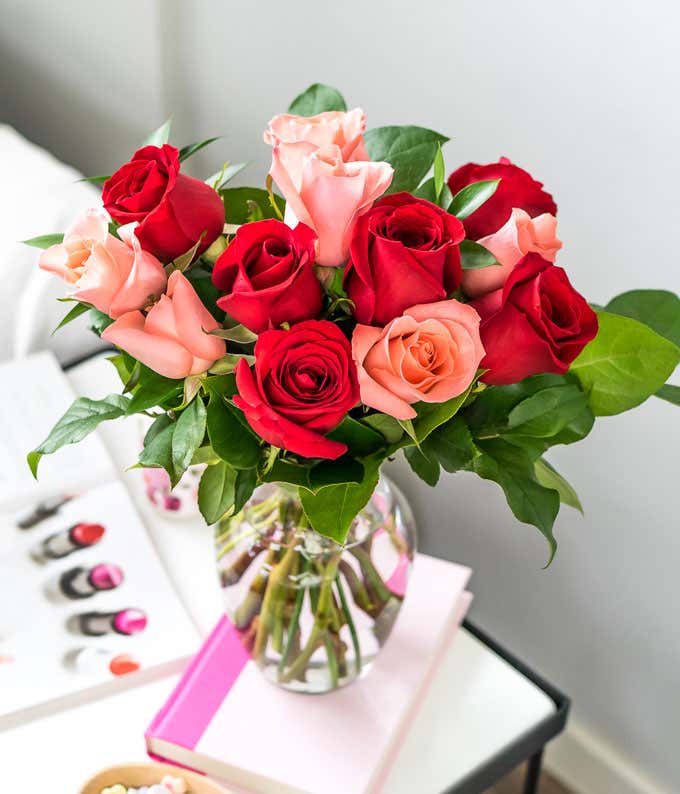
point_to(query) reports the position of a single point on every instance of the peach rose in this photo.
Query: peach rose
(115, 276)
(329, 195)
(521, 235)
(297, 137)
(429, 354)
(171, 339)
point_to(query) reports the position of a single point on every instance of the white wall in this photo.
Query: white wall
(583, 94)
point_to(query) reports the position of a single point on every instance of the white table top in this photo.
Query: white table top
(476, 706)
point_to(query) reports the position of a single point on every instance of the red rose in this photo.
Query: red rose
(536, 323)
(173, 210)
(517, 188)
(268, 274)
(304, 383)
(404, 252)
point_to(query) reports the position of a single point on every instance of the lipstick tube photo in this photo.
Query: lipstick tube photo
(125, 621)
(79, 536)
(81, 582)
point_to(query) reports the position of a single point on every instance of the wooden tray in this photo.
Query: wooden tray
(146, 775)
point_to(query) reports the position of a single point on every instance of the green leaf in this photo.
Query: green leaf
(657, 308)
(669, 393)
(387, 426)
(44, 240)
(99, 321)
(286, 471)
(318, 98)
(153, 389)
(188, 435)
(548, 477)
(157, 452)
(451, 445)
(431, 415)
(445, 197)
(216, 492)
(183, 261)
(474, 256)
(186, 151)
(513, 470)
(547, 412)
(471, 197)
(221, 178)
(426, 469)
(438, 175)
(95, 180)
(332, 510)
(237, 333)
(227, 364)
(246, 481)
(80, 420)
(336, 472)
(76, 311)
(157, 426)
(409, 150)
(625, 364)
(240, 204)
(231, 440)
(360, 439)
(426, 191)
(160, 136)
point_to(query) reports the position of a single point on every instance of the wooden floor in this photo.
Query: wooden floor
(513, 784)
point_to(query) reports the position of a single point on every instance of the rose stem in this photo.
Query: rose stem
(371, 575)
(321, 621)
(294, 621)
(359, 592)
(350, 623)
(275, 587)
(332, 661)
(235, 571)
(250, 606)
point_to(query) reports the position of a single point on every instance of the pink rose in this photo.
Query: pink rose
(115, 276)
(328, 194)
(297, 137)
(520, 235)
(429, 354)
(171, 339)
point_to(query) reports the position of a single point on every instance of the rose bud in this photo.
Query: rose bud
(521, 235)
(429, 354)
(171, 339)
(329, 195)
(115, 276)
(404, 251)
(517, 188)
(303, 384)
(296, 137)
(536, 323)
(268, 275)
(174, 210)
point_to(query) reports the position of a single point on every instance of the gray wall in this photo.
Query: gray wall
(583, 94)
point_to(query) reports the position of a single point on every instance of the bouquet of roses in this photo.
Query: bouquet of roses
(372, 306)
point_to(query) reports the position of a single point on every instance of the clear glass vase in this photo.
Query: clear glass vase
(313, 614)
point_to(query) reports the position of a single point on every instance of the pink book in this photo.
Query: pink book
(225, 720)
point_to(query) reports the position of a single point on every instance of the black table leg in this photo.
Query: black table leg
(533, 773)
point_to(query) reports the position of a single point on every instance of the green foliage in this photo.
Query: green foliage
(360, 439)
(432, 415)
(657, 308)
(452, 446)
(669, 393)
(438, 173)
(160, 136)
(625, 364)
(386, 425)
(95, 180)
(426, 191)
(246, 481)
(547, 412)
(333, 508)
(186, 151)
(225, 175)
(548, 477)
(410, 150)
(157, 452)
(44, 240)
(318, 98)
(471, 197)
(80, 420)
(99, 321)
(217, 492)
(231, 439)
(246, 204)
(189, 431)
(153, 389)
(426, 469)
(76, 311)
(474, 256)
